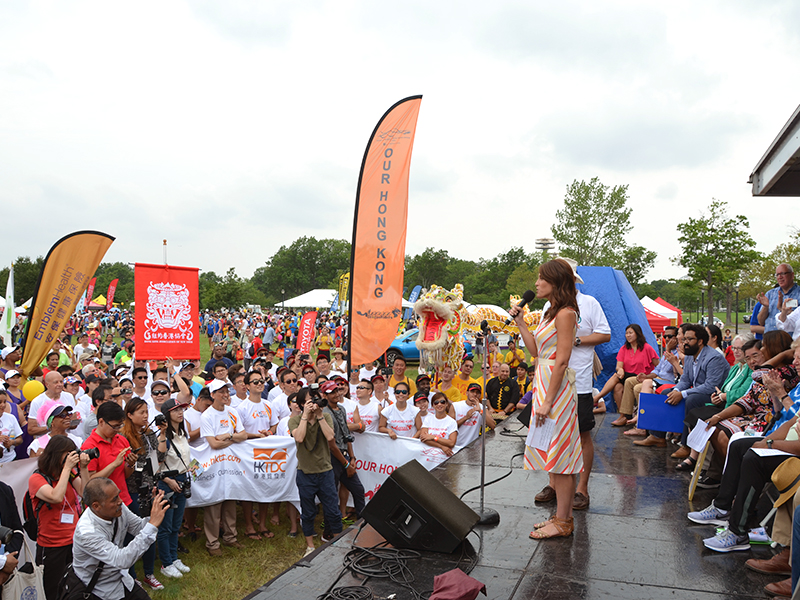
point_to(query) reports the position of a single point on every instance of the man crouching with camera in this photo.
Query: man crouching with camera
(312, 430)
(99, 560)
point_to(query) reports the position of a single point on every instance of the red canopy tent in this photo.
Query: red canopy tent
(657, 322)
(666, 304)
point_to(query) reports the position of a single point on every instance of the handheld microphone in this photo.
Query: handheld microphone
(526, 297)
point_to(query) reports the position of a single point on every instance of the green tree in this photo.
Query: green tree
(428, 267)
(636, 262)
(591, 227)
(306, 265)
(716, 249)
(107, 272)
(26, 274)
(209, 284)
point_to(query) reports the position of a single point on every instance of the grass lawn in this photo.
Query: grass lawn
(235, 574)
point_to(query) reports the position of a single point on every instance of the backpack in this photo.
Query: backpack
(31, 516)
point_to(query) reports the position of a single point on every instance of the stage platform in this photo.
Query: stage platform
(634, 541)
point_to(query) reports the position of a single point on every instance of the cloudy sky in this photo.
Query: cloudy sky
(232, 128)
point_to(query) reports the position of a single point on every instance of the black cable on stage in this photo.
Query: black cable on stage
(356, 592)
(510, 470)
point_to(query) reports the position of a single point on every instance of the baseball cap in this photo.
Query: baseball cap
(172, 404)
(11, 373)
(378, 376)
(328, 387)
(8, 350)
(420, 396)
(216, 385)
(474, 386)
(422, 377)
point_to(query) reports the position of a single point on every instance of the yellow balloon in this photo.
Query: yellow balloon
(32, 389)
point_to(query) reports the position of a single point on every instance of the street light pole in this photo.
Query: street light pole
(737, 309)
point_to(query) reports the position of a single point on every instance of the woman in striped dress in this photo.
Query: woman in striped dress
(554, 394)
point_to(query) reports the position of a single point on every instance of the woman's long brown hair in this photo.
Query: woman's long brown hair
(559, 274)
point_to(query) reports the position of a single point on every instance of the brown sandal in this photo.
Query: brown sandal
(621, 421)
(543, 523)
(564, 528)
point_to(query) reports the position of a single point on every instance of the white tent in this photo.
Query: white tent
(659, 309)
(312, 299)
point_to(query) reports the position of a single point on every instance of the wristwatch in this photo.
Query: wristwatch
(769, 443)
(577, 341)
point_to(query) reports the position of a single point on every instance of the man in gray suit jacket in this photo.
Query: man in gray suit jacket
(704, 370)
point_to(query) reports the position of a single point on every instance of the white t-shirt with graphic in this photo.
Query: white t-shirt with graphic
(402, 422)
(471, 428)
(256, 416)
(370, 415)
(440, 427)
(214, 422)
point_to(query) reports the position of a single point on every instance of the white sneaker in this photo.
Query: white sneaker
(308, 551)
(178, 564)
(171, 571)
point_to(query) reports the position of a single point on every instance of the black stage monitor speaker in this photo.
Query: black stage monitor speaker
(412, 509)
(525, 416)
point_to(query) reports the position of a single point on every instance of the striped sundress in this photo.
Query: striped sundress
(564, 455)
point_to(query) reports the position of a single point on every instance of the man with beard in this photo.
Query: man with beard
(704, 370)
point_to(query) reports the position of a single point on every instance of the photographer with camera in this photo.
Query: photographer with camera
(54, 489)
(146, 452)
(98, 552)
(313, 432)
(112, 448)
(176, 484)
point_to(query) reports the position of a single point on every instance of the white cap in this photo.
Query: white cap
(217, 385)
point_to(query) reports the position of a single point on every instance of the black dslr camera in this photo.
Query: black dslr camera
(92, 453)
(316, 397)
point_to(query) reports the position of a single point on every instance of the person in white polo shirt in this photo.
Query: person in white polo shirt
(221, 426)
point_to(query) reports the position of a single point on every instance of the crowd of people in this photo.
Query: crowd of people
(102, 415)
(118, 432)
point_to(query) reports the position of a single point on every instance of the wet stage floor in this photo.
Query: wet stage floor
(634, 541)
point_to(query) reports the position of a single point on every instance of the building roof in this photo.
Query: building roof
(778, 171)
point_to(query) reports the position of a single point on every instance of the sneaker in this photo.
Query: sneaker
(308, 551)
(326, 536)
(707, 483)
(727, 541)
(215, 552)
(710, 516)
(171, 571)
(178, 564)
(292, 534)
(153, 582)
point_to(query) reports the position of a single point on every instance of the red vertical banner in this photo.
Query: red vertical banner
(305, 333)
(379, 233)
(167, 312)
(90, 292)
(112, 288)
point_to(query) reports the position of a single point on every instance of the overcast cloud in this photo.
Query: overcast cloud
(232, 128)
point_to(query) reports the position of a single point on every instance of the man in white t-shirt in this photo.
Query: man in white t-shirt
(593, 329)
(368, 410)
(468, 416)
(54, 390)
(257, 415)
(287, 380)
(192, 417)
(221, 426)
